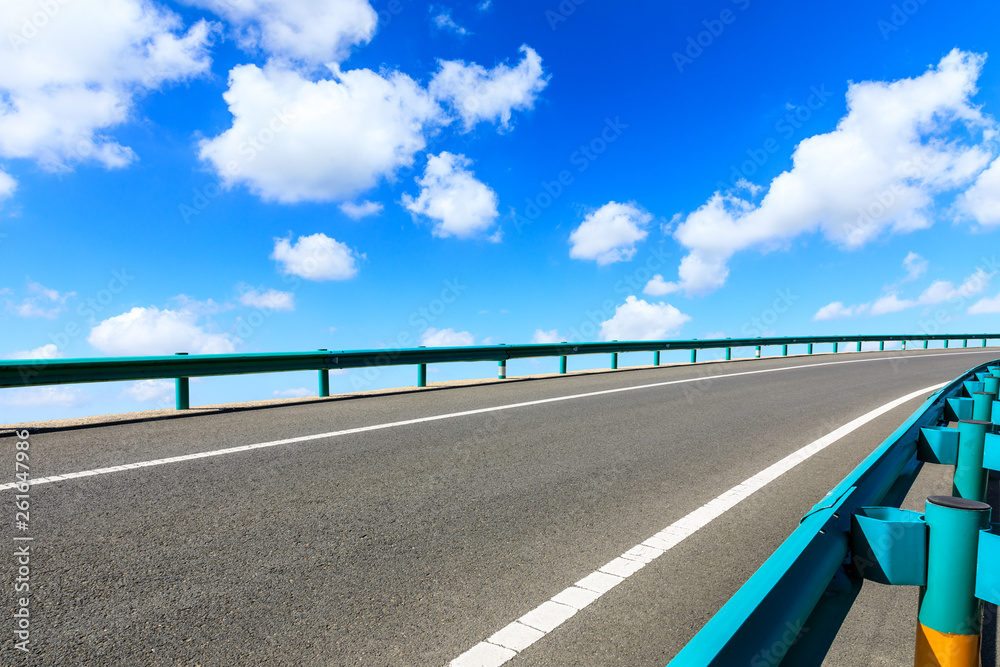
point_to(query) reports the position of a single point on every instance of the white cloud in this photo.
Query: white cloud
(362, 210)
(637, 320)
(42, 302)
(982, 200)
(915, 266)
(891, 303)
(32, 397)
(446, 338)
(47, 351)
(147, 391)
(878, 172)
(444, 21)
(7, 185)
(657, 286)
(300, 392)
(309, 31)
(151, 331)
(450, 194)
(610, 233)
(944, 290)
(316, 257)
(320, 140)
(484, 5)
(837, 310)
(271, 299)
(64, 82)
(986, 306)
(478, 94)
(547, 337)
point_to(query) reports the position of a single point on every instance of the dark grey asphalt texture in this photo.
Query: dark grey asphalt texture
(407, 546)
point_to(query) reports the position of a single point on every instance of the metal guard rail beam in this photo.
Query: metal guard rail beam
(34, 372)
(790, 610)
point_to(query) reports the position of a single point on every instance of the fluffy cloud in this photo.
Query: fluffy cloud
(610, 233)
(986, 306)
(271, 299)
(309, 31)
(68, 79)
(147, 391)
(33, 397)
(444, 21)
(637, 320)
(982, 200)
(300, 392)
(477, 94)
(656, 286)
(547, 337)
(889, 303)
(7, 185)
(877, 172)
(362, 210)
(837, 310)
(322, 140)
(446, 338)
(944, 290)
(151, 331)
(451, 196)
(41, 302)
(915, 266)
(47, 351)
(316, 257)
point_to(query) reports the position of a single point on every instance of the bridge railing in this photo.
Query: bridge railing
(791, 609)
(180, 367)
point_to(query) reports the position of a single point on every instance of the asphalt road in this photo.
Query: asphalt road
(411, 544)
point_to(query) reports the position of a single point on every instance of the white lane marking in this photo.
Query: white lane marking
(451, 415)
(630, 562)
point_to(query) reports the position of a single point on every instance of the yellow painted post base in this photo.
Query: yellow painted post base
(940, 649)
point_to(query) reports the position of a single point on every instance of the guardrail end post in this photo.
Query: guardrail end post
(949, 621)
(182, 394)
(502, 369)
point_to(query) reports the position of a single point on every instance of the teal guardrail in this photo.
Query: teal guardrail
(790, 610)
(34, 372)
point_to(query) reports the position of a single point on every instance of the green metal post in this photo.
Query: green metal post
(562, 365)
(903, 346)
(835, 347)
(965, 342)
(946, 343)
(984, 342)
(614, 360)
(421, 375)
(656, 358)
(970, 476)
(694, 356)
(758, 352)
(881, 346)
(859, 346)
(950, 616)
(182, 394)
(982, 405)
(991, 384)
(729, 353)
(502, 369)
(784, 350)
(809, 349)
(925, 343)
(324, 378)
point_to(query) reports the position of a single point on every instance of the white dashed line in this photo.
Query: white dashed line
(506, 644)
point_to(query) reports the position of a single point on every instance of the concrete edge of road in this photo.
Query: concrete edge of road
(170, 413)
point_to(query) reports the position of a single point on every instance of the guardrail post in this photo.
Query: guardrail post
(835, 347)
(984, 342)
(970, 475)
(946, 343)
(614, 360)
(421, 375)
(182, 393)
(324, 378)
(784, 350)
(965, 342)
(502, 369)
(562, 365)
(859, 346)
(881, 346)
(758, 352)
(809, 349)
(729, 353)
(949, 621)
(903, 345)
(925, 343)
(694, 356)
(656, 358)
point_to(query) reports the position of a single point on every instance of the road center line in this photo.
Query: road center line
(420, 420)
(506, 643)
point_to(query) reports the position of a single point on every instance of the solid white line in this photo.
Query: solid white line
(545, 618)
(452, 415)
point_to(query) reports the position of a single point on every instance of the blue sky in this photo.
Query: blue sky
(210, 176)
